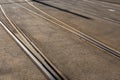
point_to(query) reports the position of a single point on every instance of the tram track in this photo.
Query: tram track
(86, 13)
(69, 28)
(31, 47)
(31, 50)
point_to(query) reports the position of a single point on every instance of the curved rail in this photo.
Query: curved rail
(90, 17)
(32, 51)
(90, 39)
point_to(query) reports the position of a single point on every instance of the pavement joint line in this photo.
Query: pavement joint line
(89, 1)
(108, 2)
(97, 43)
(33, 52)
(111, 20)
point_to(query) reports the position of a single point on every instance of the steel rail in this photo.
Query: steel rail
(32, 51)
(27, 51)
(82, 13)
(90, 39)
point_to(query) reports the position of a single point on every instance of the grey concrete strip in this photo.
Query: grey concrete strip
(75, 57)
(14, 63)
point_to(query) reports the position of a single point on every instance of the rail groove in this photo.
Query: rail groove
(85, 15)
(90, 39)
(65, 10)
(32, 51)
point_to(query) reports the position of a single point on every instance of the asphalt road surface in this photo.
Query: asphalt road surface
(75, 57)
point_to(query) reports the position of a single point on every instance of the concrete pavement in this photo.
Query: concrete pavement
(111, 1)
(102, 30)
(76, 58)
(14, 63)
